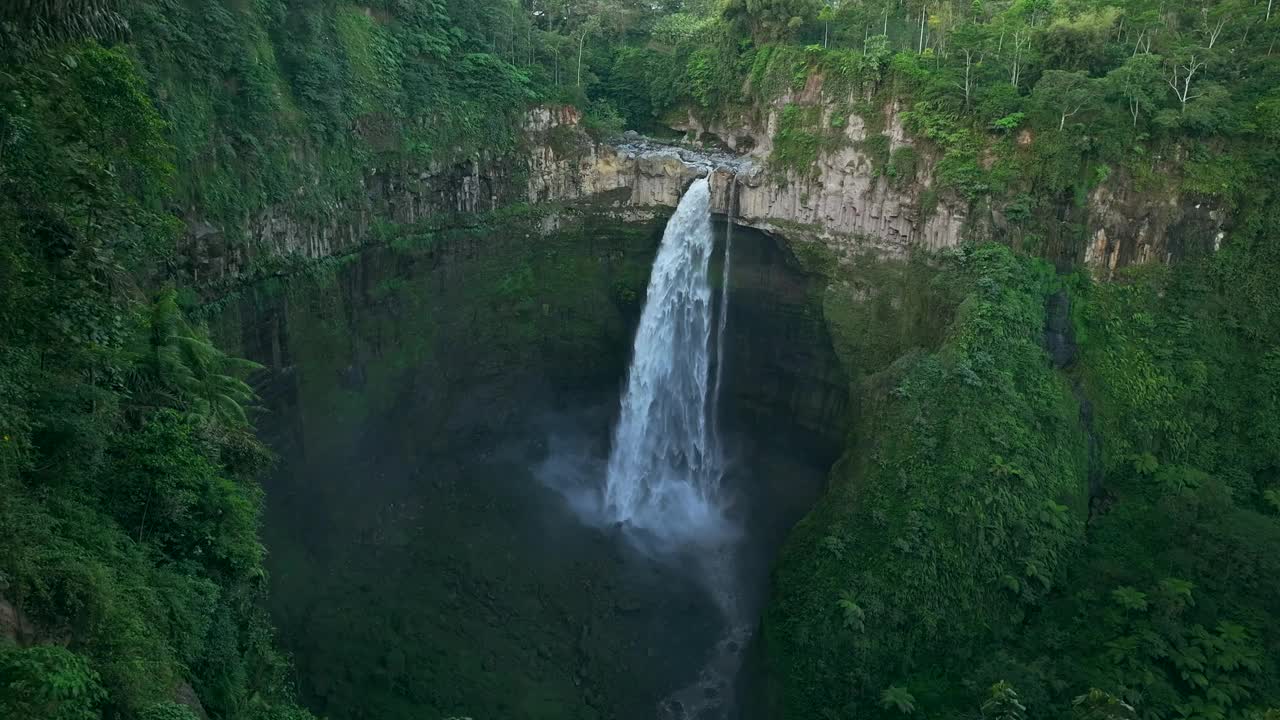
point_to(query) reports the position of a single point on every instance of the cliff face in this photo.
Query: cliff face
(392, 195)
(558, 161)
(1128, 227)
(840, 201)
(843, 200)
(850, 205)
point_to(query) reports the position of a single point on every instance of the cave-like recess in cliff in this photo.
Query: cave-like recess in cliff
(420, 395)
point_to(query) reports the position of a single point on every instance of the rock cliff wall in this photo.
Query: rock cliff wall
(848, 203)
(843, 200)
(840, 201)
(1127, 227)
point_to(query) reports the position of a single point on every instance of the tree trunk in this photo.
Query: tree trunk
(920, 50)
(582, 43)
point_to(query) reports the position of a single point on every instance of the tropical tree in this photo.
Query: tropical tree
(1101, 705)
(1064, 93)
(1139, 81)
(825, 16)
(1182, 72)
(968, 43)
(773, 19)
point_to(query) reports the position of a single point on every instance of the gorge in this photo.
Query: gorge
(498, 520)
(734, 359)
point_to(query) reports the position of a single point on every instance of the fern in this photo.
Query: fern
(186, 367)
(896, 698)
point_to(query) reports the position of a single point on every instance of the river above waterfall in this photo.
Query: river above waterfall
(426, 397)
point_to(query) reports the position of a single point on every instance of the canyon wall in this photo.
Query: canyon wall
(843, 201)
(852, 206)
(840, 201)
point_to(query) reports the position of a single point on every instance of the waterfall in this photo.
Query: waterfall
(665, 465)
(667, 459)
(724, 313)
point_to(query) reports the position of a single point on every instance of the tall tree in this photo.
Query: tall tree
(1140, 82)
(1064, 93)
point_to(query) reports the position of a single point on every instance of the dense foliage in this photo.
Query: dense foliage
(131, 573)
(1027, 106)
(906, 592)
(131, 569)
(961, 564)
(966, 500)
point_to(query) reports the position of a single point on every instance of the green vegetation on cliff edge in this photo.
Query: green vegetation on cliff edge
(975, 556)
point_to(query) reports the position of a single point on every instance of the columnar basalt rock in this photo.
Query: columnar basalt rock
(843, 201)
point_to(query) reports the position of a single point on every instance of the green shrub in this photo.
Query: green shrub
(167, 711)
(965, 503)
(47, 682)
(798, 140)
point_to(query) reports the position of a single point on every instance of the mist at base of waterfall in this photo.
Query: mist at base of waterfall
(765, 488)
(576, 465)
(421, 563)
(662, 483)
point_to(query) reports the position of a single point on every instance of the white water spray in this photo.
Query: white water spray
(724, 313)
(667, 460)
(666, 463)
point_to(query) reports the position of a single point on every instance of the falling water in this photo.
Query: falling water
(665, 465)
(667, 459)
(724, 314)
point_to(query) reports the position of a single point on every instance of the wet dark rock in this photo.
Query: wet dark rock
(352, 377)
(1059, 337)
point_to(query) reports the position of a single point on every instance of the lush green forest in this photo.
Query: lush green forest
(131, 572)
(1003, 538)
